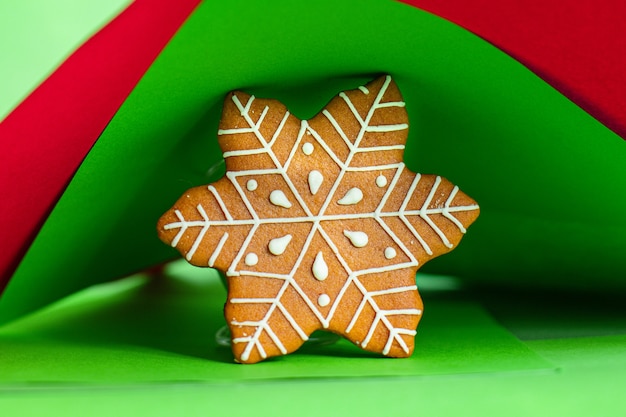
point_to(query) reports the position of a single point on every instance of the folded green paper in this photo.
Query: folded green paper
(162, 329)
(547, 176)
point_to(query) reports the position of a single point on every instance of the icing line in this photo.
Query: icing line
(218, 249)
(387, 128)
(279, 129)
(220, 202)
(339, 130)
(353, 109)
(428, 220)
(203, 231)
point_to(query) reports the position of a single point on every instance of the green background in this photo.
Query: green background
(526, 338)
(548, 177)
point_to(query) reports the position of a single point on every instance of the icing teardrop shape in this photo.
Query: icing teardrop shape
(358, 239)
(320, 269)
(279, 245)
(278, 198)
(353, 196)
(315, 181)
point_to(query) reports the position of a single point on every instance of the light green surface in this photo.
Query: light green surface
(140, 331)
(37, 35)
(575, 393)
(136, 347)
(547, 176)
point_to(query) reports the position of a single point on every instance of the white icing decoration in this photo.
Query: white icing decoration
(251, 259)
(252, 185)
(278, 198)
(323, 300)
(315, 181)
(358, 239)
(390, 253)
(219, 200)
(353, 196)
(307, 148)
(279, 245)
(364, 89)
(381, 181)
(199, 223)
(218, 249)
(320, 269)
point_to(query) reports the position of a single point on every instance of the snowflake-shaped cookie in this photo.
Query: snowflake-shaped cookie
(318, 224)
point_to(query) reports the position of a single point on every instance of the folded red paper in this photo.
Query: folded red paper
(45, 139)
(577, 47)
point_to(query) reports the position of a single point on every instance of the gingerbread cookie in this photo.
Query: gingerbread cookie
(318, 224)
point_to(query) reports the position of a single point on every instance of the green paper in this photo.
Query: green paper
(36, 36)
(600, 353)
(576, 394)
(132, 348)
(563, 314)
(572, 393)
(139, 347)
(547, 175)
(163, 330)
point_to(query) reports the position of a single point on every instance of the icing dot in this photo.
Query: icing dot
(358, 239)
(323, 300)
(353, 196)
(390, 253)
(307, 148)
(320, 269)
(252, 185)
(315, 181)
(278, 198)
(279, 245)
(381, 181)
(251, 259)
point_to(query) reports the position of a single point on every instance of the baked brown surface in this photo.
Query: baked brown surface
(318, 224)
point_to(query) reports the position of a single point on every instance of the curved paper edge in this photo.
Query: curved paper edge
(45, 139)
(580, 52)
(187, 153)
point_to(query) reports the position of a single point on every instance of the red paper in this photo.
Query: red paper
(44, 140)
(578, 47)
